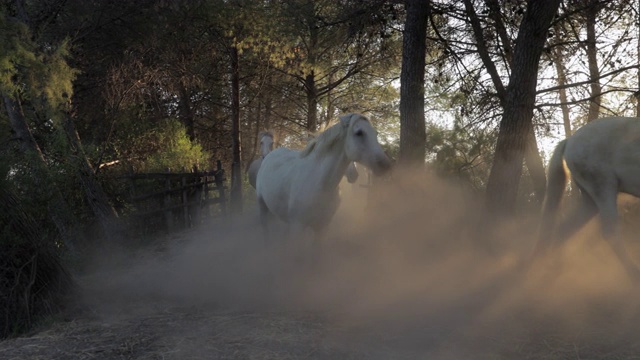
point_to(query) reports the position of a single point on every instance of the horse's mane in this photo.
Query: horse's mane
(263, 133)
(329, 138)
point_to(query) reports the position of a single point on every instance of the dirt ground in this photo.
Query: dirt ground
(411, 282)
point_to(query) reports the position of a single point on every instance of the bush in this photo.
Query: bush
(34, 284)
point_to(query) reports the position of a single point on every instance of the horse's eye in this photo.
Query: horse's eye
(359, 133)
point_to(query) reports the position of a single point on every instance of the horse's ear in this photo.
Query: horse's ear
(345, 119)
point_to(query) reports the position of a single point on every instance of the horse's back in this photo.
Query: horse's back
(273, 180)
(278, 159)
(607, 150)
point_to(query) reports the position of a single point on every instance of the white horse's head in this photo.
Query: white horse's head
(266, 142)
(361, 144)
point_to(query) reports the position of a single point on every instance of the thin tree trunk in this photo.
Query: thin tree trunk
(187, 112)
(330, 107)
(516, 125)
(312, 102)
(562, 92)
(255, 144)
(534, 164)
(97, 199)
(236, 166)
(638, 60)
(268, 108)
(57, 207)
(412, 119)
(310, 85)
(592, 58)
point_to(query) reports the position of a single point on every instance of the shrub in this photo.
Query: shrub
(34, 284)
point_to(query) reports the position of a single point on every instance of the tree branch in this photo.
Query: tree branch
(483, 51)
(614, 72)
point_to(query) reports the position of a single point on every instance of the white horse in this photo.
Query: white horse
(352, 173)
(301, 188)
(266, 146)
(603, 158)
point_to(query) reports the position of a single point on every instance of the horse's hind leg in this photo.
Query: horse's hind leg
(611, 233)
(582, 211)
(585, 209)
(265, 217)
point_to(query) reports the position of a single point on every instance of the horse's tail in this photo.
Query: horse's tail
(556, 183)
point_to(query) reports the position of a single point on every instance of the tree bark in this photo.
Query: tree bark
(57, 207)
(268, 107)
(516, 125)
(97, 199)
(483, 51)
(558, 59)
(255, 145)
(592, 58)
(534, 164)
(638, 60)
(186, 108)
(533, 160)
(412, 119)
(312, 101)
(310, 79)
(236, 165)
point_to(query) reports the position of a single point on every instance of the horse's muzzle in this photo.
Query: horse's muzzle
(382, 166)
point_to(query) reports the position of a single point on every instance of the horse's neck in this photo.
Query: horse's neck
(265, 152)
(330, 169)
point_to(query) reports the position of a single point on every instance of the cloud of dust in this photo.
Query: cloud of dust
(413, 257)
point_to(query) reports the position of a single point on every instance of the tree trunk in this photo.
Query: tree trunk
(534, 164)
(96, 197)
(186, 109)
(638, 60)
(330, 108)
(310, 85)
(516, 125)
(533, 160)
(312, 101)
(562, 92)
(57, 207)
(268, 107)
(255, 152)
(236, 166)
(412, 119)
(592, 58)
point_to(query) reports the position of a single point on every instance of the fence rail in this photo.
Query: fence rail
(177, 198)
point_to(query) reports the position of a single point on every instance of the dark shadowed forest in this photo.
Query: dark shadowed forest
(130, 229)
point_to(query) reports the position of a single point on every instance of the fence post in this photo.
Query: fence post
(185, 199)
(219, 178)
(197, 196)
(166, 203)
(132, 191)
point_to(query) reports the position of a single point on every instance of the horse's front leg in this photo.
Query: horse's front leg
(320, 235)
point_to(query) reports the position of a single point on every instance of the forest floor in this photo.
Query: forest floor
(421, 292)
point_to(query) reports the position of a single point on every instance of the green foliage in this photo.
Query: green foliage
(461, 153)
(34, 285)
(176, 150)
(32, 70)
(156, 147)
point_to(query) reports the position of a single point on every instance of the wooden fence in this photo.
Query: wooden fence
(181, 199)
